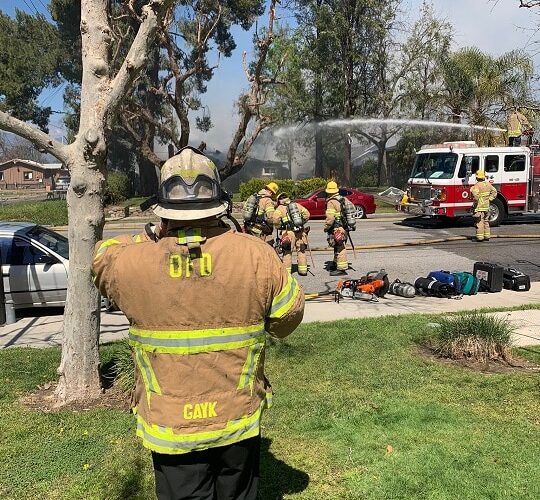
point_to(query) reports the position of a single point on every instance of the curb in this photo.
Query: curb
(379, 246)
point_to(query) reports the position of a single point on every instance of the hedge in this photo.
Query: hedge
(295, 189)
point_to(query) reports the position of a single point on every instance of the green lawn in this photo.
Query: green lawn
(49, 212)
(357, 414)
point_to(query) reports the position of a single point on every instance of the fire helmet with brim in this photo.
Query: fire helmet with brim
(332, 188)
(190, 188)
(272, 186)
(480, 174)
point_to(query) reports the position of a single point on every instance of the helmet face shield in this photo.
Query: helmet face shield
(176, 189)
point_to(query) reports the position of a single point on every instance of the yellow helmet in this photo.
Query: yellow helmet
(332, 188)
(272, 186)
(480, 175)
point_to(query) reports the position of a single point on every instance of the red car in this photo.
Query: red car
(316, 202)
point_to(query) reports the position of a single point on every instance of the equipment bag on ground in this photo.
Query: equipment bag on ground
(490, 275)
(430, 287)
(446, 277)
(516, 280)
(468, 284)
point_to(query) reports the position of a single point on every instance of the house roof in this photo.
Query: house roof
(35, 164)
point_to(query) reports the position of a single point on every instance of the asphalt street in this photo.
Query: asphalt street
(408, 263)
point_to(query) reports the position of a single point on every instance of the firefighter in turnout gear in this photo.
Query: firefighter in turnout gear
(483, 193)
(200, 384)
(293, 232)
(337, 235)
(517, 124)
(260, 221)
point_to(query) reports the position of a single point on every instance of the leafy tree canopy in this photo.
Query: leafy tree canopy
(29, 59)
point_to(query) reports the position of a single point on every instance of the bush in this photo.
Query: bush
(124, 367)
(475, 335)
(295, 189)
(117, 188)
(365, 174)
(50, 212)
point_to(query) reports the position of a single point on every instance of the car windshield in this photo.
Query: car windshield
(54, 241)
(310, 194)
(434, 166)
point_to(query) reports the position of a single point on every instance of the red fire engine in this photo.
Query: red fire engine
(443, 174)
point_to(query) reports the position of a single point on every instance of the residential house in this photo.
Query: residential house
(28, 174)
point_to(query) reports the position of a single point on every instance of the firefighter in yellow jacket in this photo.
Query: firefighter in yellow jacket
(262, 225)
(200, 385)
(337, 235)
(517, 124)
(291, 219)
(483, 193)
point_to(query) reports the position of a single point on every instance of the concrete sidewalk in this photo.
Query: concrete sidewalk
(45, 331)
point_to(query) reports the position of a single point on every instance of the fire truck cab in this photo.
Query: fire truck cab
(443, 174)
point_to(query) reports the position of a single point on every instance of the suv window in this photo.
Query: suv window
(514, 163)
(322, 194)
(491, 164)
(345, 192)
(473, 161)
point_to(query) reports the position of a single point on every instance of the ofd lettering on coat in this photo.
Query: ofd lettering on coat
(200, 410)
(181, 265)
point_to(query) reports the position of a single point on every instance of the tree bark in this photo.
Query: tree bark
(347, 160)
(319, 164)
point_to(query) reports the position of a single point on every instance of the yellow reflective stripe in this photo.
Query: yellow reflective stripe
(283, 302)
(137, 238)
(195, 341)
(103, 247)
(190, 235)
(149, 378)
(248, 371)
(164, 440)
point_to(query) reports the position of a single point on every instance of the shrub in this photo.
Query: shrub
(124, 367)
(50, 212)
(295, 189)
(475, 335)
(365, 174)
(117, 187)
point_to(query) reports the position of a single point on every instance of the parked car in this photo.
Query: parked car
(62, 184)
(315, 202)
(35, 263)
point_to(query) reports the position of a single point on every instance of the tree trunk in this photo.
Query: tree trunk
(347, 161)
(319, 166)
(78, 370)
(148, 180)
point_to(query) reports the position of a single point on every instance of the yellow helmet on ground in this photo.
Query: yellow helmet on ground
(480, 174)
(272, 186)
(332, 188)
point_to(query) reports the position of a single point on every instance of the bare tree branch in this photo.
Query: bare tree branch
(137, 55)
(37, 137)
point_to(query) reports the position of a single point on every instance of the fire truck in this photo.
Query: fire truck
(443, 174)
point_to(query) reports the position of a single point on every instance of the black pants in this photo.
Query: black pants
(514, 141)
(224, 473)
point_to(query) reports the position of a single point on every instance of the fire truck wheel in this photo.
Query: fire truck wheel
(496, 213)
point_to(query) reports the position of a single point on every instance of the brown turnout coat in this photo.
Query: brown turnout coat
(199, 301)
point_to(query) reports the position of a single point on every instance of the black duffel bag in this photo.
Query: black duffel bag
(430, 287)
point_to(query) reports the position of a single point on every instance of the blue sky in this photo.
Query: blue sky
(493, 26)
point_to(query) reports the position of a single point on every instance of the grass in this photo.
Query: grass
(49, 212)
(358, 414)
(132, 202)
